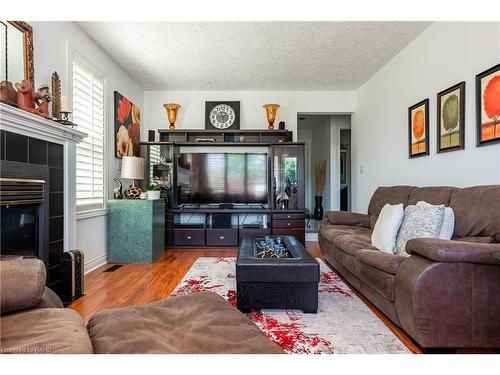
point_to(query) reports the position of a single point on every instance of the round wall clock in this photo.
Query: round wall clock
(222, 115)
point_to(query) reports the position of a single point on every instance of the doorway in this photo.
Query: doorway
(327, 139)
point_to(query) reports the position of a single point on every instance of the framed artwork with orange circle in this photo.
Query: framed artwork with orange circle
(418, 129)
(488, 106)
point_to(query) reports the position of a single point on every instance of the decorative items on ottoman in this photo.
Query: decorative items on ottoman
(443, 294)
(135, 230)
(276, 283)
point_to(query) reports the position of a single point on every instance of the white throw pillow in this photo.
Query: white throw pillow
(448, 221)
(420, 221)
(387, 226)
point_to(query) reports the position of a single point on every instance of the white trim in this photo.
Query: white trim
(311, 237)
(95, 263)
(91, 213)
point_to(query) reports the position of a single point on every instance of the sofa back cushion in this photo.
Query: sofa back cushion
(387, 195)
(477, 211)
(433, 194)
(22, 282)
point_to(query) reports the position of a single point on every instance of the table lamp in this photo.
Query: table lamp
(133, 168)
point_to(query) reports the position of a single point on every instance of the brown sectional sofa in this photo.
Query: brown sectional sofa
(33, 321)
(446, 293)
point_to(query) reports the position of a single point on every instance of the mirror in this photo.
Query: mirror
(16, 52)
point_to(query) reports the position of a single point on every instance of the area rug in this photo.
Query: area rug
(343, 324)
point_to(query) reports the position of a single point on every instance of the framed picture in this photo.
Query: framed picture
(418, 129)
(451, 118)
(222, 115)
(488, 106)
(127, 127)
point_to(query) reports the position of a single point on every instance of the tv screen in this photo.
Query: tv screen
(204, 178)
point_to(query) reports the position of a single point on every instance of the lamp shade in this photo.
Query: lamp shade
(132, 168)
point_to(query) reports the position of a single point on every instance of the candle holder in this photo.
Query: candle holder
(271, 110)
(171, 109)
(64, 119)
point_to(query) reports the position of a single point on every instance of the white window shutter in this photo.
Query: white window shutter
(89, 115)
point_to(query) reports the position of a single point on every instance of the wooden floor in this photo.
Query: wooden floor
(137, 284)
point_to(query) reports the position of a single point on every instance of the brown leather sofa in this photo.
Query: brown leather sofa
(33, 321)
(446, 294)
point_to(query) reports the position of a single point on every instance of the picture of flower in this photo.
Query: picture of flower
(418, 129)
(488, 106)
(127, 127)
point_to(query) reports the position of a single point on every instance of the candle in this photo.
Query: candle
(65, 106)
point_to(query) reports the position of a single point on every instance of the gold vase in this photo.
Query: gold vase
(172, 109)
(271, 110)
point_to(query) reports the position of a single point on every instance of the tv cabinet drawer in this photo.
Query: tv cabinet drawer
(222, 237)
(300, 234)
(288, 223)
(290, 216)
(254, 232)
(189, 237)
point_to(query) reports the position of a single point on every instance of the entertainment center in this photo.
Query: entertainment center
(224, 185)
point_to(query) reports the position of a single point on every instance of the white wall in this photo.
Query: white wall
(50, 53)
(252, 115)
(443, 55)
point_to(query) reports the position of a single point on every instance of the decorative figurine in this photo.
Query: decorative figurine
(8, 93)
(117, 191)
(27, 98)
(43, 102)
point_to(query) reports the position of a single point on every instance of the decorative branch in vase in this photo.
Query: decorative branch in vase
(320, 170)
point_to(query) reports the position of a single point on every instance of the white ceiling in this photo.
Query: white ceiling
(252, 55)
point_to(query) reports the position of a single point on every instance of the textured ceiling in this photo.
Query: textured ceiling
(252, 55)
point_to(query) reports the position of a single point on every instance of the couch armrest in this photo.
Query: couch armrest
(454, 251)
(22, 282)
(348, 218)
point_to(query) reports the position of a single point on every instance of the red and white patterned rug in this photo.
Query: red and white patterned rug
(343, 324)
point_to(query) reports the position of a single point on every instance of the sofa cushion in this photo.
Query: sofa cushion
(390, 195)
(433, 194)
(331, 231)
(196, 323)
(476, 211)
(383, 261)
(48, 331)
(22, 283)
(351, 244)
(387, 226)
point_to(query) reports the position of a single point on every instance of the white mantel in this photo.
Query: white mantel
(17, 121)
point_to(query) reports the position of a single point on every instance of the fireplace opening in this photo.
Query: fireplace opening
(23, 212)
(19, 230)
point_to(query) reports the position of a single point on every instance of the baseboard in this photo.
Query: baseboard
(95, 263)
(310, 237)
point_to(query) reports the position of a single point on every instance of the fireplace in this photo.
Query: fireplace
(23, 211)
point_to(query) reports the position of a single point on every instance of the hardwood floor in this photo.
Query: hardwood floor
(138, 284)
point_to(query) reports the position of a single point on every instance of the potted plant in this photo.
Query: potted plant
(153, 191)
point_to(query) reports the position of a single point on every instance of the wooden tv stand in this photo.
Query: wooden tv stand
(279, 218)
(202, 232)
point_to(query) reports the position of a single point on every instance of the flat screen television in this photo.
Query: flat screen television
(204, 178)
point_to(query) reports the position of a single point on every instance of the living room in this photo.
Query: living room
(214, 184)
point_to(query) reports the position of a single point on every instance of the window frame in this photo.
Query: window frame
(72, 56)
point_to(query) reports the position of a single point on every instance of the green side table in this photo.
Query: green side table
(136, 231)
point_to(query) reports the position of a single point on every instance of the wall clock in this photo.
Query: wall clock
(222, 115)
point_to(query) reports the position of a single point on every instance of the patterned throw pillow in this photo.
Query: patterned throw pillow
(448, 221)
(419, 222)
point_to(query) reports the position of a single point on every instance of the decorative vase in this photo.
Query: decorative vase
(318, 208)
(172, 109)
(271, 110)
(153, 194)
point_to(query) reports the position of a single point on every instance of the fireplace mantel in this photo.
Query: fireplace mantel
(17, 121)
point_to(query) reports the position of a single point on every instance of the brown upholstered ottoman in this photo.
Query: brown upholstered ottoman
(197, 323)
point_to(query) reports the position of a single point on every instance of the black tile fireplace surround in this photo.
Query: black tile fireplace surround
(24, 157)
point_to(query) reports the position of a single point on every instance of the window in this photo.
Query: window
(89, 87)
